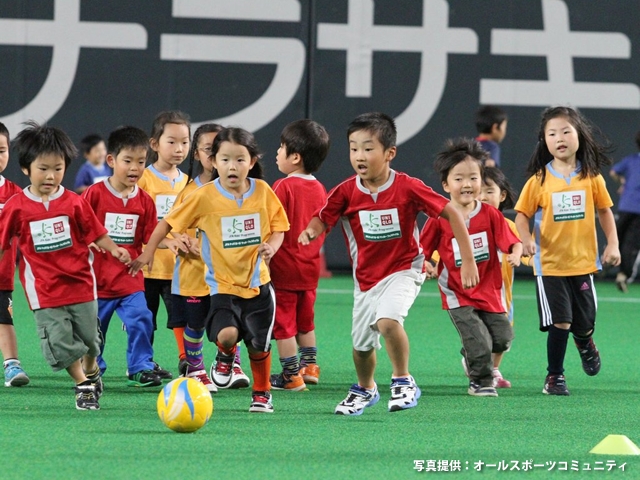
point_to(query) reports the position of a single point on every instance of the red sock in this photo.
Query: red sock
(261, 369)
(178, 332)
(230, 352)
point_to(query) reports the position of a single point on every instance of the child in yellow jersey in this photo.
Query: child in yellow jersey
(497, 192)
(242, 225)
(563, 194)
(162, 180)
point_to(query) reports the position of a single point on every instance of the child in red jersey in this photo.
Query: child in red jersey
(378, 208)
(304, 144)
(477, 313)
(14, 375)
(54, 227)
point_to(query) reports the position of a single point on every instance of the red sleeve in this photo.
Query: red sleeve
(431, 203)
(88, 224)
(8, 225)
(150, 218)
(503, 235)
(335, 205)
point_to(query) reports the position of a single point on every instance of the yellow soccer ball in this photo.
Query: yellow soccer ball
(185, 405)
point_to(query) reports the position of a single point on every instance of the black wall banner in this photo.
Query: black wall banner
(91, 66)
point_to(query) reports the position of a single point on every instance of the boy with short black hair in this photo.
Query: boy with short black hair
(491, 124)
(14, 375)
(54, 227)
(378, 208)
(128, 213)
(94, 169)
(295, 271)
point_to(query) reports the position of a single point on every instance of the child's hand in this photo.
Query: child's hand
(136, 265)
(121, 254)
(96, 247)
(513, 259)
(611, 256)
(469, 274)
(266, 251)
(529, 247)
(307, 236)
(175, 245)
(430, 270)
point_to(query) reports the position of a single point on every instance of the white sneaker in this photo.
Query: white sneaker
(238, 378)
(203, 378)
(404, 394)
(261, 402)
(358, 399)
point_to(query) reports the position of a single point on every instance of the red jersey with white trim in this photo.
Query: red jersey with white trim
(53, 237)
(8, 263)
(129, 222)
(380, 228)
(295, 266)
(489, 232)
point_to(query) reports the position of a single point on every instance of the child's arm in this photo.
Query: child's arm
(315, 228)
(528, 244)
(469, 269)
(269, 248)
(146, 258)
(611, 254)
(516, 253)
(104, 242)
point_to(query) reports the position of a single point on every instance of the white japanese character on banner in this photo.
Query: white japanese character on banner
(560, 46)
(67, 35)
(434, 40)
(287, 54)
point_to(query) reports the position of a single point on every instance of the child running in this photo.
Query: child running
(378, 208)
(170, 140)
(242, 224)
(564, 193)
(54, 227)
(304, 145)
(498, 192)
(14, 375)
(478, 313)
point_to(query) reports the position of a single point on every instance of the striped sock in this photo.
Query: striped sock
(290, 365)
(193, 340)
(308, 355)
(237, 359)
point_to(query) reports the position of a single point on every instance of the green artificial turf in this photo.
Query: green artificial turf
(44, 436)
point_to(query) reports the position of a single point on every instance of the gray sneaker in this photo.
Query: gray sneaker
(478, 390)
(86, 398)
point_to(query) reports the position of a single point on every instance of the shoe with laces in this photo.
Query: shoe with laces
(238, 378)
(203, 378)
(281, 381)
(222, 370)
(404, 394)
(357, 400)
(14, 375)
(590, 357)
(182, 367)
(261, 402)
(96, 381)
(161, 372)
(555, 385)
(477, 390)
(145, 378)
(310, 373)
(499, 381)
(86, 398)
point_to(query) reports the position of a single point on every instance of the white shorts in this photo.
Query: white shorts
(391, 298)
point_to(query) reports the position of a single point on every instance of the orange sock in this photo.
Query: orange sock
(261, 369)
(226, 351)
(178, 332)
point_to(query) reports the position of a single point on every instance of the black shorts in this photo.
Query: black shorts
(567, 300)
(253, 317)
(6, 307)
(190, 311)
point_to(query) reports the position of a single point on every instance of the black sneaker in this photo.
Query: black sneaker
(477, 390)
(161, 372)
(145, 378)
(182, 367)
(590, 358)
(86, 398)
(96, 381)
(555, 385)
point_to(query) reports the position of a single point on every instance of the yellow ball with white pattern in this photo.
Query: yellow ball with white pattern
(185, 405)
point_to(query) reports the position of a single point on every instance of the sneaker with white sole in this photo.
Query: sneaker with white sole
(590, 357)
(357, 400)
(404, 394)
(14, 375)
(555, 385)
(238, 378)
(499, 381)
(203, 378)
(261, 402)
(221, 370)
(86, 398)
(477, 390)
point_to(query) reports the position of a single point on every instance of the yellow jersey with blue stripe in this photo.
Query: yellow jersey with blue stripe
(564, 212)
(232, 229)
(163, 191)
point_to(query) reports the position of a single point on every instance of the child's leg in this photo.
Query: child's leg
(583, 324)
(501, 334)
(14, 375)
(397, 345)
(557, 340)
(284, 331)
(476, 344)
(152, 290)
(138, 321)
(106, 308)
(365, 363)
(8, 342)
